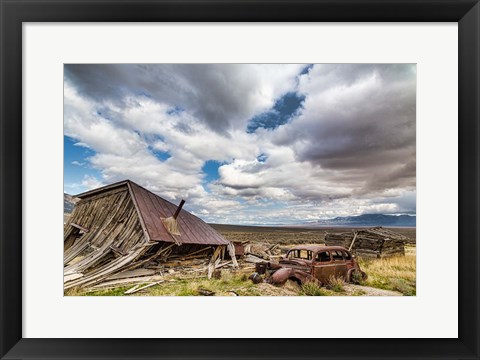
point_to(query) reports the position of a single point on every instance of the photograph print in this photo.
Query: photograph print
(239, 180)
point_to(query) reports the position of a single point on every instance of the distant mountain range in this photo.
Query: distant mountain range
(370, 220)
(69, 203)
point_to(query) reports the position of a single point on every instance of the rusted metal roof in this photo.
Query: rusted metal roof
(151, 208)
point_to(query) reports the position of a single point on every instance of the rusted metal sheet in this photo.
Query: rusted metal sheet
(239, 248)
(151, 208)
(85, 230)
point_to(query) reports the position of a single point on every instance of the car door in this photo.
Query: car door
(323, 266)
(340, 264)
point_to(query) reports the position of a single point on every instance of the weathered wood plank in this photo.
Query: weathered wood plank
(137, 289)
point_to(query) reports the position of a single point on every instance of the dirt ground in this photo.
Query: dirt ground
(290, 235)
(352, 289)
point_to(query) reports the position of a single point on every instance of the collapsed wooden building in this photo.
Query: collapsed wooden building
(123, 226)
(375, 242)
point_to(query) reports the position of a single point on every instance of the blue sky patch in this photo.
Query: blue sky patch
(161, 155)
(210, 169)
(144, 93)
(175, 110)
(306, 69)
(262, 157)
(284, 109)
(75, 165)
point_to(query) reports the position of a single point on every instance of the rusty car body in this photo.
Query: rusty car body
(313, 263)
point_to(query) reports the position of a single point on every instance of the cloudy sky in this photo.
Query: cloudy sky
(247, 143)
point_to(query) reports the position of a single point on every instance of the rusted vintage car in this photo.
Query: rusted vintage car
(313, 263)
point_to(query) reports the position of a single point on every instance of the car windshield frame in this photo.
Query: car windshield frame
(293, 251)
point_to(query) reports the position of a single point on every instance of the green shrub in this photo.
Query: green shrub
(357, 277)
(312, 289)
(336, 284)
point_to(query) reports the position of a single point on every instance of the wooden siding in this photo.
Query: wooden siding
(113, 223)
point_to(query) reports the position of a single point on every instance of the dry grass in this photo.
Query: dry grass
(394, 273)
(75, 291)
(229, 284)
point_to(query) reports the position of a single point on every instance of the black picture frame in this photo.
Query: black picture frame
(15, 12)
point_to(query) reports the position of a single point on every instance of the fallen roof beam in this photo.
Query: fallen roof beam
(85, 230)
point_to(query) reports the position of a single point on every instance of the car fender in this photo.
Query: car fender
(281, 276)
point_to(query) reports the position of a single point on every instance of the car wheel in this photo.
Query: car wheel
(355, 275)
(364, 275)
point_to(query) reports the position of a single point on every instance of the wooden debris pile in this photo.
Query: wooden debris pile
(153, 267)
(259, 252)
(122, 233)
(375, 242)
(172, 265)
(156, 271)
